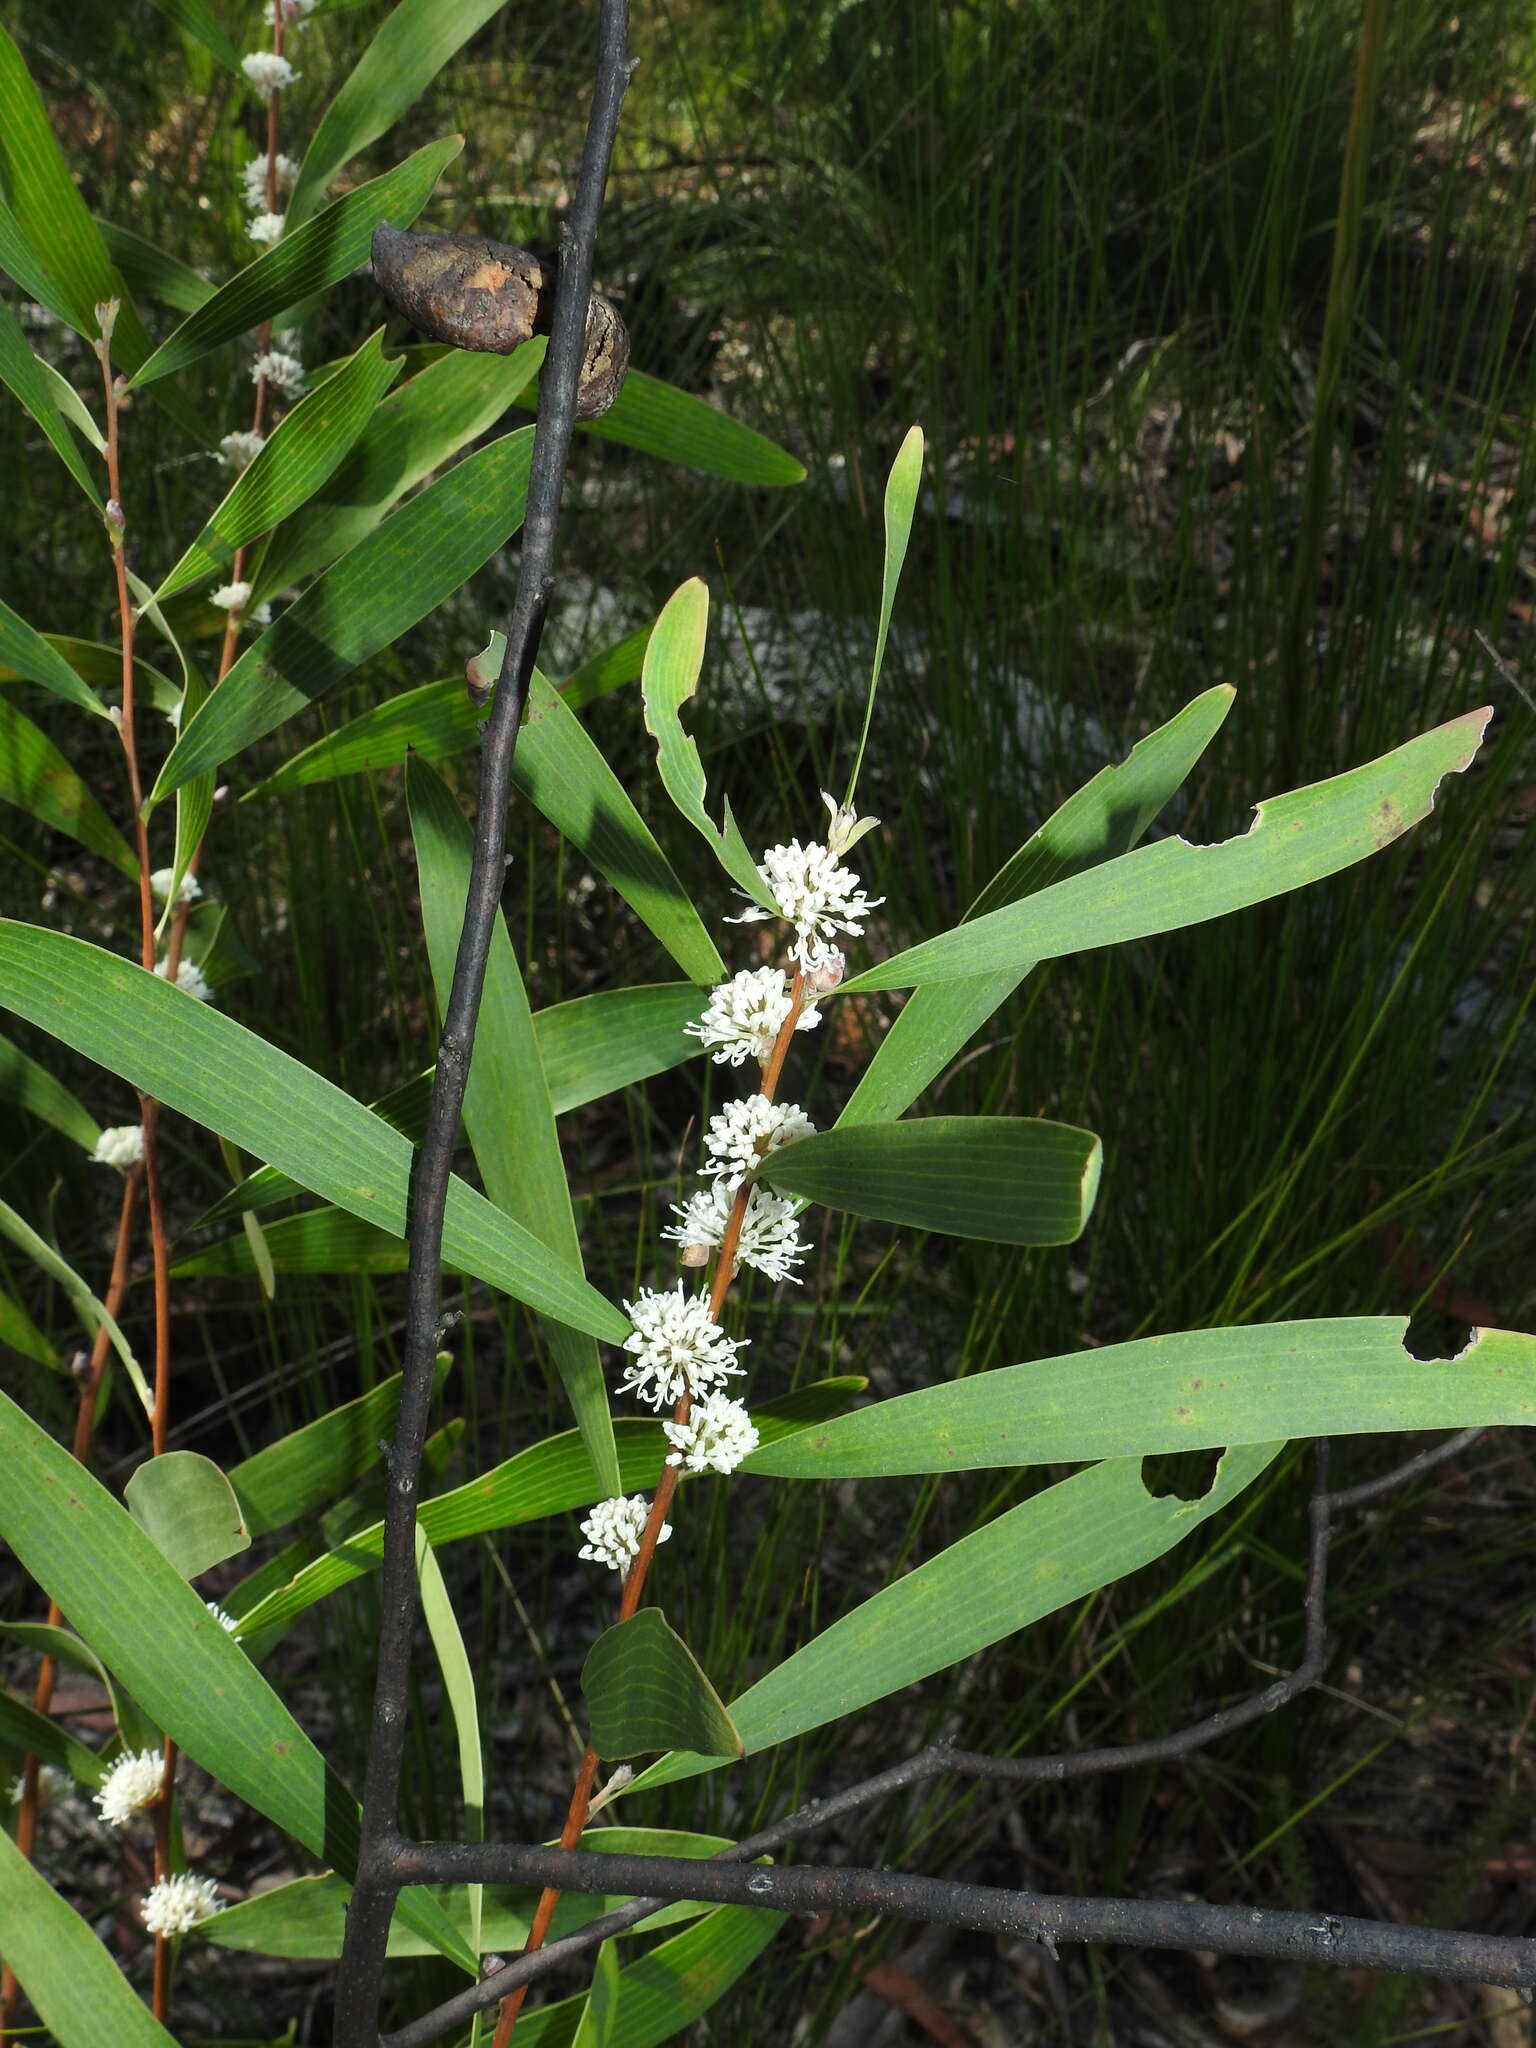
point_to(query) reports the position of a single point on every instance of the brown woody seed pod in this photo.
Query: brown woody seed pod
(484, 295)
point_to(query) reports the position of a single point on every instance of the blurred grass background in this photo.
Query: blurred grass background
(1192, 419)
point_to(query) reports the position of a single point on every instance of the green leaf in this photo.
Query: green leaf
(18, 1330)
(91, 662)
(1294, 839)
(48, 214)
(645, 1691)
(671, 675)
(188, 1510)
(658, 419)
(304, 449)
(27, 377)
(459, 1691)
(80, 1992)
(1082, 1533)
(152, 272)
(32, 1088)
(213, 1070)
(1104, 819)
(403, 55)
(316, 1241)
(199, 22)
(155, 1634)
(39, 660)
(39, 781)
(1191, 1390)
(298, 1474)
(434, 720)
(562, 773)
(394, 577)
(92, 1313)
(589, 1047)
(600, 2019)
(415, 430)
(135, 1727)
(610, 670)
(901, 489)
(507, 1110)
(315, 256)
(1009, 1180)
(662, 1994)
(28, 1733)
(550, 1478)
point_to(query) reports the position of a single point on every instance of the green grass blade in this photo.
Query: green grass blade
(29, 654)
(1294, 839)
(901, 489)
(320, 253)
(673, 659)
(148, 1627)
(1192, 1390)
(459, 1691)
(1082, 1533)
(393, 577)
(210, 1068)
(402, 57)
(1007, 1180)
(507, 1110)
(28, 380)
(302, 452)
(80, 1992)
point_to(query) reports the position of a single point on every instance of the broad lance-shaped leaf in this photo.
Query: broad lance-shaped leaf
(1105, 818)
(589, 1047)
(320, 253)
(1191, 1390)
(32, 1088)
(303, 450)
(188, 1510)
(30, 654)
(901, 489)
(671, 675)
(152, 272)
(149, 1628)
(1294, 839)
(38, 779)
(200, 22)
(404, 54)
(29, 383)
(399, 573)
(208, 1067)
(311, 1466)
(29, 1733)
(645, 1691)
(657, 419)
(1082, 1533)
(80, 1992)
(507, 1110)
(458, 1677)
(1009, 1180)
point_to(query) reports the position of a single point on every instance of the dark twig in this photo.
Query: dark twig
(362, 1959)
(1153, 1923)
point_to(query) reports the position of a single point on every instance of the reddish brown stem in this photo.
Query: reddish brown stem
(655, 1521)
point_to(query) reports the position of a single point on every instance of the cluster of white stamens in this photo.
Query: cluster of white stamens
(132, 1784)
(613, 1531)
(178, 1904)
(768, 1241)
(745, 1015)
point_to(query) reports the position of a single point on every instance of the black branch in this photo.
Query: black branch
(360, 1975)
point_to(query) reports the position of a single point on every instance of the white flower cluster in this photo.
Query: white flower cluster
(717, 1435)
(122, 1145)
(253, 177)
(52, 1785)
(740, 1138)
(676, 1347)
(267, 72)
(239, 451)
(227, 1622)
(265, 229)
(190, 977)
(769, 1241)
(282, 369)
(132, 1784)
(613, 1531)
(820, 898)
(178, 1904)
(235, 598)
(746, 1014)
(189, 892)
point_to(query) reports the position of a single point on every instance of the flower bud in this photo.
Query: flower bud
(106, 318)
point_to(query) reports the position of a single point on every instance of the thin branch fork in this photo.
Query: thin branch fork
(359, 1979)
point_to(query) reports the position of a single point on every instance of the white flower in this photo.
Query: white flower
(123, 1145)
(745, 1132)
(746, 1014)
(845, 828)
(160, 881)
(52, 1784)
(173, 715)
(239, 451)
(178, 1904)
(678, 1347)
(279, 368)
(259, 615)
(227, 1622)
(718, 1434)
(769, 1240)
(254, 178)
(613, 1531)
(267, 228)
(189, 976)
(267, 72)
(231, 597)
(819, 898)
(297, 12)
(132, 1784)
